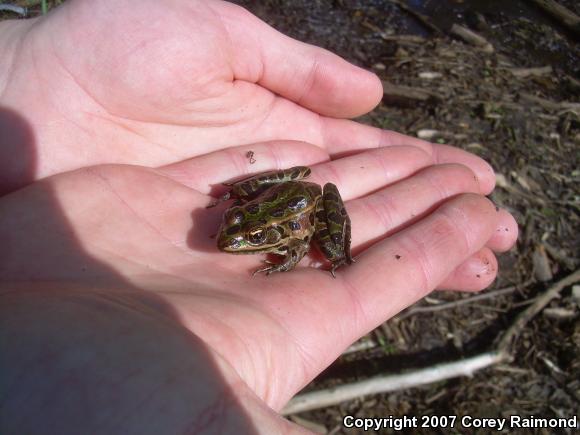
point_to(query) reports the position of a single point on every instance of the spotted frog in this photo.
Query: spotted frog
(276, 212)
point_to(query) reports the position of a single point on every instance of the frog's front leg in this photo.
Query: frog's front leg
(332, 233)
(249, 188)
(293, 252)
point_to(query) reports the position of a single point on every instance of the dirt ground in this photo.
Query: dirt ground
(526, 123)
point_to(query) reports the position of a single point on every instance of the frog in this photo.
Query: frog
(279, 213)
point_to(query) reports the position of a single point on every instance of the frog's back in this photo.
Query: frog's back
(285, 200)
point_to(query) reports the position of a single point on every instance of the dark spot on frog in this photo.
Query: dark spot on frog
(247, 188)
(297, 203)
(277, 212)
(335, 217)
(307, 172)
(271, 198)
(253, 208)
(330, 196)
(321, 215)
(235, 217)
(281, 231)
(326, 251)
(323, 234)
(294, 226)
(336, 238)
(295, 174)
(307, 239)
(233, 230)
(311, 219)
(343, 211)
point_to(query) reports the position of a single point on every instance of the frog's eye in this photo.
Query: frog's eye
(257, 235)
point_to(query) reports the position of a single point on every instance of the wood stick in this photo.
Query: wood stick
(522, 73)
(423, 19)
(472, 38)
(524, 317)
(548, 104)
(564, 16)
(383, 384)
(412, 39)
(407, 96)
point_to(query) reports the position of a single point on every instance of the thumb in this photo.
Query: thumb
(310, 76)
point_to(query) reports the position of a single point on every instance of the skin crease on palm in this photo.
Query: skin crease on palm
(160, 102)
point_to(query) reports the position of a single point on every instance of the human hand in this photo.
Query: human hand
(138, 233)
(151, 83)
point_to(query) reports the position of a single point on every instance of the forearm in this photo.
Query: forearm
(87, 362)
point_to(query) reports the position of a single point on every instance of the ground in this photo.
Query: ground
(526, 123)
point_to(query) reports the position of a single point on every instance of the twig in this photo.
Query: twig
(564, 16)
(402, 39)
(423, 19)
(14, 8)
(522, 73)
(447, 305)
(525, 316)
(548, 104)
(406, 95)
(465, 367)
(472, 38)
(383, 384)
(413, 39)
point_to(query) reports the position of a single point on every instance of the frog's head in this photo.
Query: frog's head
(244, 233)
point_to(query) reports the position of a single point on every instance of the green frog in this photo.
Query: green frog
(276, 212)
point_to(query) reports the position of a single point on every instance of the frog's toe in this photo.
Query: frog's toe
(265, 270)
(339, 263)
(272, 268)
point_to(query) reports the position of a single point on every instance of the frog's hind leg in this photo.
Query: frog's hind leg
(293, 253)
(251, 187)
(333, 228)
(272, 177)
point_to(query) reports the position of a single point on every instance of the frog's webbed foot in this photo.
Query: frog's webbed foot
(272, 268)
(336, 264)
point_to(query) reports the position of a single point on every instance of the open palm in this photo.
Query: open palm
(153, 83)
(142, 231)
